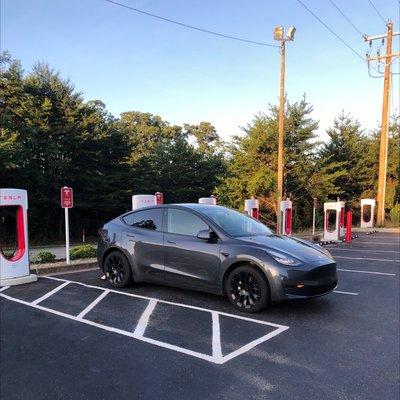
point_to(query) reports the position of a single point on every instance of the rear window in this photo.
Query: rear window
(146, 219)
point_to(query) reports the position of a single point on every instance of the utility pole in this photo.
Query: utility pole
(281, 133)
(279, 35)
(383, 151)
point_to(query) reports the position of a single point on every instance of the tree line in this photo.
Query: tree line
(50, 137)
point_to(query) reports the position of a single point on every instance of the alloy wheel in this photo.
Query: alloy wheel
(114, 269)
(245, 290)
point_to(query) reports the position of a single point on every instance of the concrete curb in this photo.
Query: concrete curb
(50, 268)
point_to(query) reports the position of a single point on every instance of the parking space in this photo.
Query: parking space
(71, 336)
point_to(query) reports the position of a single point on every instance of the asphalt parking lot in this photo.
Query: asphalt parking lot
(71, 337)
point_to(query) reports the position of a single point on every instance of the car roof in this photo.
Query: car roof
(193, 206)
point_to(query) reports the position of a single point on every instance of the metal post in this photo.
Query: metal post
(313, 216)
(66, 235)
(349, 222)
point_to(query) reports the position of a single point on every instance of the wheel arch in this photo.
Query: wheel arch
(110, 250)
(239, 263)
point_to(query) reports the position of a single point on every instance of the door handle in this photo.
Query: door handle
(171, 242)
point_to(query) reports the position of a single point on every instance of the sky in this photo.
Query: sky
(134, 62)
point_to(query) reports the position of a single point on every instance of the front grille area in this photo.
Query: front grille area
(309, 290)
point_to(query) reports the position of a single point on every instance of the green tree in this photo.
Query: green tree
(51, 138)
(346, 155)
(253, 160)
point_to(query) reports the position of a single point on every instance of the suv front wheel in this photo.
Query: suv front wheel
(247, 289)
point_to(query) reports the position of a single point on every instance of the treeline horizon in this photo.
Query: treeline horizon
(50, 137)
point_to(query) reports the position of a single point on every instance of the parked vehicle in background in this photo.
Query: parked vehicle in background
(214, 249)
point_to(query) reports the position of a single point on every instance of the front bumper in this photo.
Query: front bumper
(306, 281)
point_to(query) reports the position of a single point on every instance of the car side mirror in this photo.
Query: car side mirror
(204, 234)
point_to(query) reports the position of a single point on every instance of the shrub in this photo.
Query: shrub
(84, 251)
(395, 214)
(45, 256)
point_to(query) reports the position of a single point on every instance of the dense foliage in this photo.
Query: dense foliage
(51, 137)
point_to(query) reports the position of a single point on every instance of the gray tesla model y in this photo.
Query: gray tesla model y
(213, 249)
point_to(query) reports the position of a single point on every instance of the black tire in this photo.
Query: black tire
(247, 289)
(117, 269)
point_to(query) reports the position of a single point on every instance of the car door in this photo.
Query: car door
(143, 238)
(190, 261)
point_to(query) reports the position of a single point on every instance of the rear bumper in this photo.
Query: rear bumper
(306, 282)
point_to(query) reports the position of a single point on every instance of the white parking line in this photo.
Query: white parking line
(93, 303)
(47, 295)
(363, 249)
(138, 333)
(366, 272)
(380, 243)
(216, 336)
(350, 293)
(367, 259)
(144, 319)
(4, 288)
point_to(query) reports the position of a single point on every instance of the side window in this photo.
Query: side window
(147, 219)
(184, 223)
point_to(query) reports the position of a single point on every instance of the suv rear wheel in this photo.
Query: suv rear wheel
(117, 269)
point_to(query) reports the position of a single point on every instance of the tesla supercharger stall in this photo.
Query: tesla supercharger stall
(286, 217)
(145, 200)
(367, 213)
(331, 230)
(14, 267)
(342, 230)
(252, 207)
(208, 200)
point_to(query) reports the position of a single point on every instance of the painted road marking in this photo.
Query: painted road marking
(48, 294)
(93, 303)
(216, 336)
(144, 319)
(367, 259)
(341, 292)
(380, 243)
(4, 288)
(365, 272)
(369, 251)
(139, 331)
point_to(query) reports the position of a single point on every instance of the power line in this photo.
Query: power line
(377, 11)
(331, 31)
(347, 19)
(191, 26)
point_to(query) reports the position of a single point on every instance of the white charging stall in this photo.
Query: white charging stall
(143, 200)
(208, 200)
(252, 207)
(286, 217)
(332, 232)
(367, 221)
(14, 267)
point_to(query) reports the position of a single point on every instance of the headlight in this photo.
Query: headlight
(283, 258)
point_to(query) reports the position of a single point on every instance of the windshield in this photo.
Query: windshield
(235, 223)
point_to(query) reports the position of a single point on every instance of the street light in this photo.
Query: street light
(279, 35)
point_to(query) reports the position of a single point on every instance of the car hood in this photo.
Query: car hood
(298, 248)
